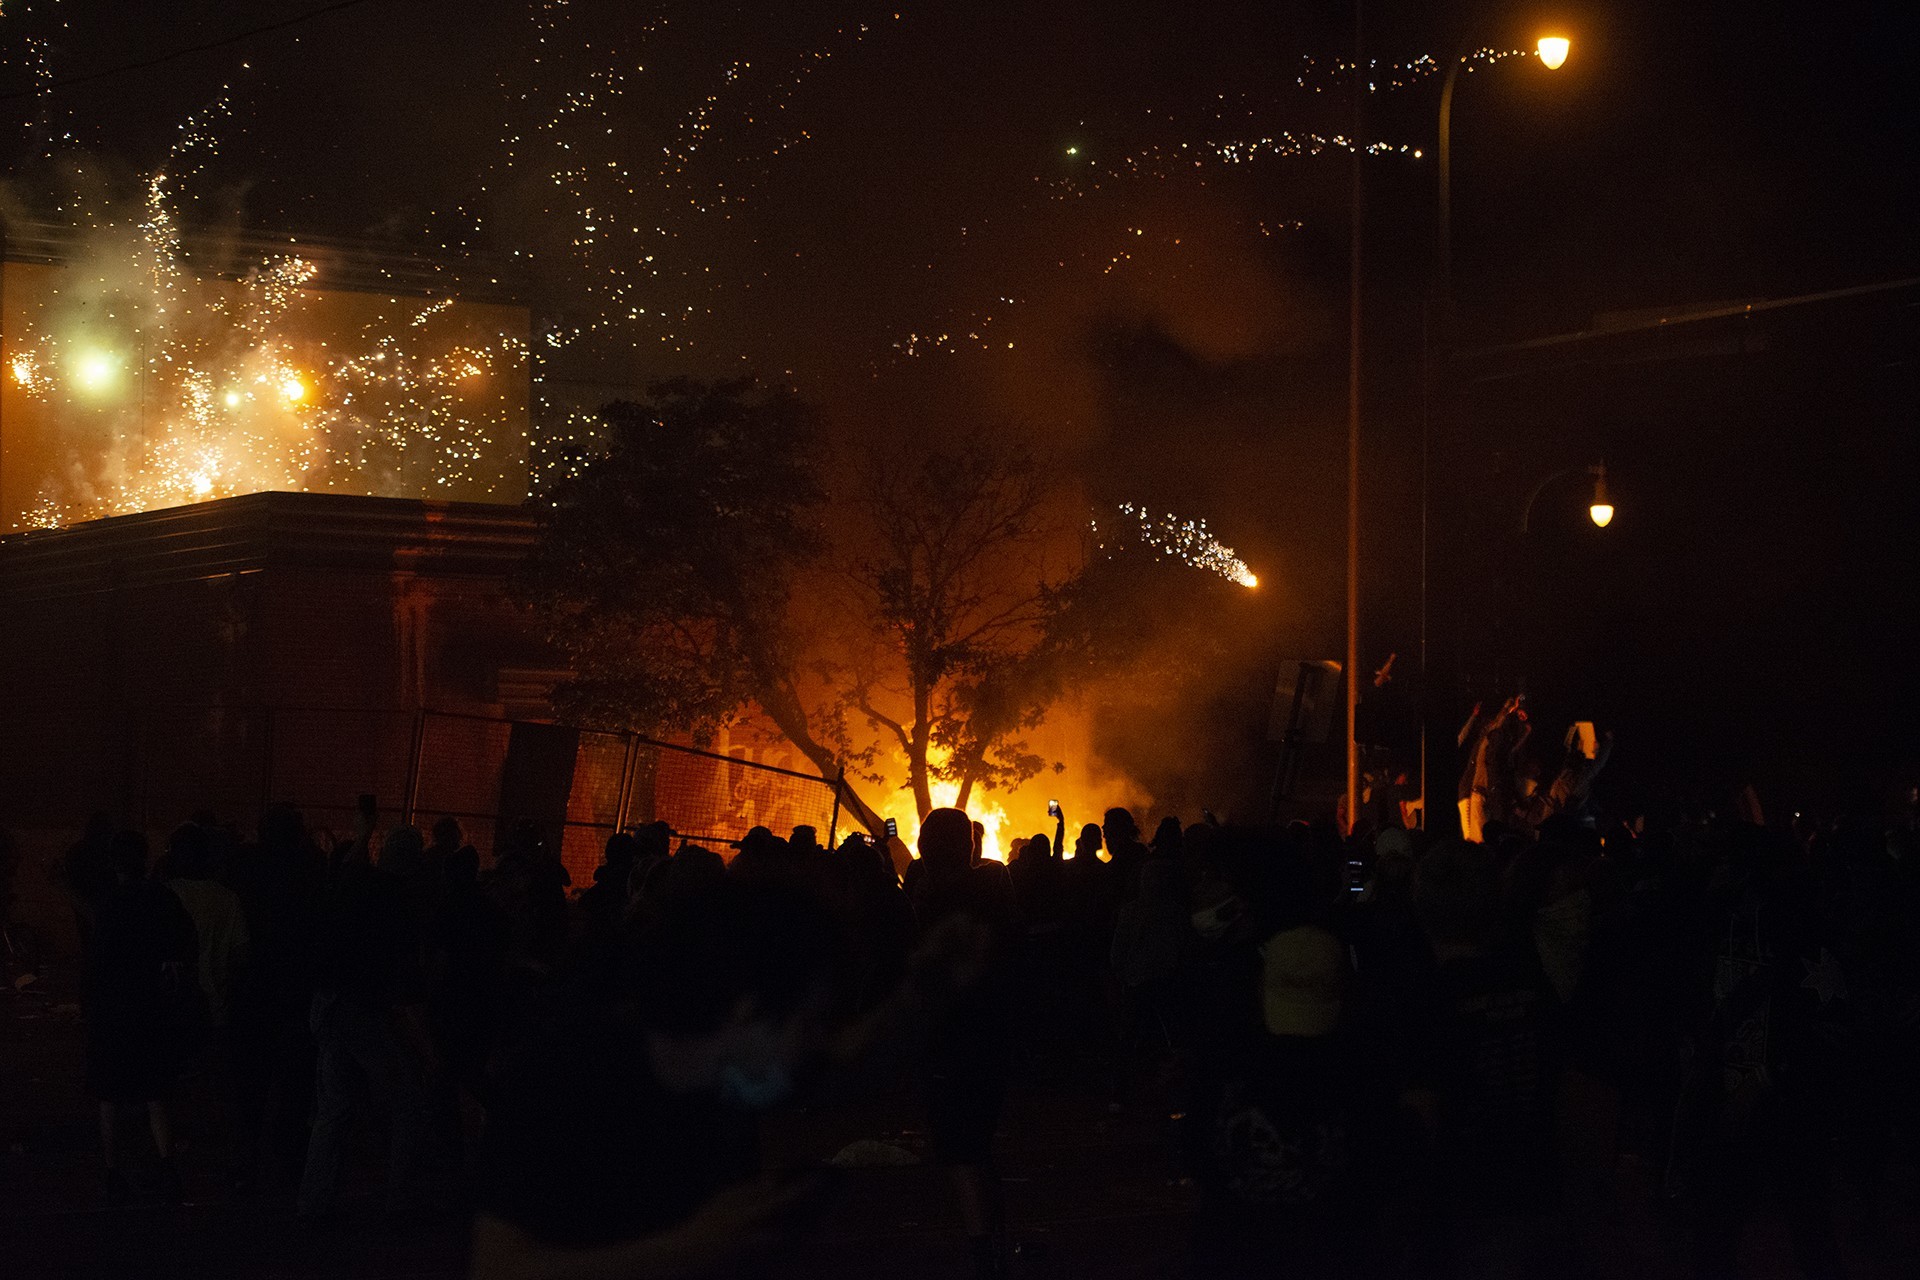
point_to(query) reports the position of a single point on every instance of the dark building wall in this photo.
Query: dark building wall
(273, 646)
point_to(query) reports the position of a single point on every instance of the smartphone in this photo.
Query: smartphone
(893, 829)
(1053, 808)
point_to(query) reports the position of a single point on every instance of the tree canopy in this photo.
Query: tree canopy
(910, 608)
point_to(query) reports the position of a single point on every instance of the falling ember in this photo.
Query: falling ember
(1184, 540)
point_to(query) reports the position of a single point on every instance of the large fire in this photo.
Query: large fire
(991, 817)
(1085, 788)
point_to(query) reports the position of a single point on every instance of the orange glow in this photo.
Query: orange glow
(1602, 513)
(991, 817)
(1086, 788)
(1553, 51)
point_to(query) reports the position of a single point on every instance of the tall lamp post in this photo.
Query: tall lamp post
(1353, 422)
(1552, 51)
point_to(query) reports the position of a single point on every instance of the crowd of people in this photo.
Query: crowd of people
(1377, 1050)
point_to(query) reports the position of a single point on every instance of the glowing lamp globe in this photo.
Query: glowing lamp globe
(1602, 509)
(1602, 513)
(1553, 51)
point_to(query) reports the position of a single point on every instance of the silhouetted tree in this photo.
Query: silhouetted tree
(956, 567)
(666, 568)
(712, 560)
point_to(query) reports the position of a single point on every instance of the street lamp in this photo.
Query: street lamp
(1600, 510)
(1553, 52)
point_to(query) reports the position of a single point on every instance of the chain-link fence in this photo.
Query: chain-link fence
(156, 768)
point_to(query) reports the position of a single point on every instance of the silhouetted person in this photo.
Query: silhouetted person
(1089, 900)
(1292, 1176)
(967, 1052)
(141, 995)
(219, 920)
(762, 858)
(691, 870)
(87, 873)
(1125, 852)
(368, 1020)
(1487, 1071)
(879, 919)
(220, 924)
(279, 880)
(469, 938)
(1039, 891)
(449, 842)
(530, 884)
(1152, 937)
(622, 1141)
(603, 907)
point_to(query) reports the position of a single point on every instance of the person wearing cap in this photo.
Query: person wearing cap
(1294, 1141)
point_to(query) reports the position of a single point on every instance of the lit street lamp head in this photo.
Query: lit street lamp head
(1553, 52)
(1602, 508)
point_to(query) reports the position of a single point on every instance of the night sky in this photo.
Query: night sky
(870, 179)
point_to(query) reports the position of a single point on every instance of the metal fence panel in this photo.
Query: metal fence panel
(719, 800)
(155, 767)
(324, 760)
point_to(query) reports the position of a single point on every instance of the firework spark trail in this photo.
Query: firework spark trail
(1226, 141)
(1175, 538)
(623, 221)
(1384, 77)
(45, 123)
(629, 226)
(232, 396)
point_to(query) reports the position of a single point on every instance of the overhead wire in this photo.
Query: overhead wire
(187, 52)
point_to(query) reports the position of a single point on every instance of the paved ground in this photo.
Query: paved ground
(1090, 1196)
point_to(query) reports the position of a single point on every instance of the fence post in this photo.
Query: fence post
(413, 762)
(839, 784)
(625, 806)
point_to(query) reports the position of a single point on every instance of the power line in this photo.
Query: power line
(187, 52)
